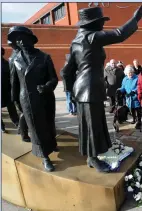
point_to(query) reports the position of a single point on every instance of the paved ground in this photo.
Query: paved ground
(69, 123)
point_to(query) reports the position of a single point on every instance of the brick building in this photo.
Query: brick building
(56, 14)
(55, 38)
(66, 13)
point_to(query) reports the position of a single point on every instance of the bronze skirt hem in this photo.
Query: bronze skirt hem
(42, 152)
(94, 137)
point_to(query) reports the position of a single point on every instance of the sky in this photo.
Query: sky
(19, 12)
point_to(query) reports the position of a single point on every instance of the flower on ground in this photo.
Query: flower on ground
(137, 184)
(126, 178)
(130, 189)
(130, 176)
(117, 151)
(140, 164)
(138, 196)
(133, 182)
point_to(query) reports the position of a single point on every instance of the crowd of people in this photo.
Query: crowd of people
(127, 80)
(114, 74)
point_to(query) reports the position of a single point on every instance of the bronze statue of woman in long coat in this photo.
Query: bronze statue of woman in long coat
(87, 55)
(33, 82)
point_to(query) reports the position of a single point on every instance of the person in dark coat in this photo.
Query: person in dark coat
(137, 67)
(113, 77)
(71, 106)
(5, 93)
(22, 128)
(120, 65)
(87, 56)
(34, 80)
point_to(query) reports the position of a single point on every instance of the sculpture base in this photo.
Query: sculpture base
(73, 186)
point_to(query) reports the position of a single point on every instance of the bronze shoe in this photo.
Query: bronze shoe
(99, 165)
(48, 165)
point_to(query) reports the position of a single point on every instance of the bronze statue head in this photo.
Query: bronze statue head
(22, 37)
(17, 31)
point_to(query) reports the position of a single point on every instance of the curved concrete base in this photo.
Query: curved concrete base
(72, 187)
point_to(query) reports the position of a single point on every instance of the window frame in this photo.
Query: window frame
(59, 12)
(45, 17)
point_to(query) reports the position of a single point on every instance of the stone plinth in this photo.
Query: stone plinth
(72, 187)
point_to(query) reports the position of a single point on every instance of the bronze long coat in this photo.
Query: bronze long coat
(87, 55)
(38, 109)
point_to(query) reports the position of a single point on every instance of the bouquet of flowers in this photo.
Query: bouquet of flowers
(114, 156)
(133, 182)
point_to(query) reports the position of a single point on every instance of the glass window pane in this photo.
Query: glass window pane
(59, 12)
(46, 19)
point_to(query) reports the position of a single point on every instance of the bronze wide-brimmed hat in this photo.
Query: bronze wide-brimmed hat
(89, 15)
(15, 30)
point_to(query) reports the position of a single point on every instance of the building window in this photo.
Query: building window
(46, 19)
(59, 12)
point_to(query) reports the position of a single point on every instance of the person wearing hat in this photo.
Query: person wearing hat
(22, 128)
(33, 80)
(5, 93)
(88, 56)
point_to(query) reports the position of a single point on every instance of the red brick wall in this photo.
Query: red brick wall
(73, 13)
(62, 22)
(56, 40)
(117, 16)
(82, 5)
(46, 34)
